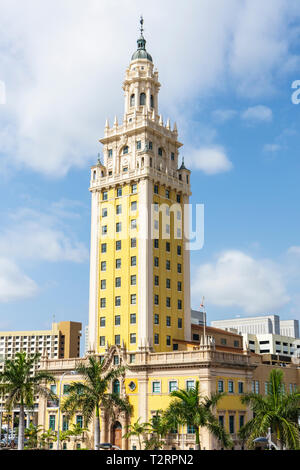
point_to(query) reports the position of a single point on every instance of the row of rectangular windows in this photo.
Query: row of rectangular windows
(256, 387)
(117, 359)
(168, 302)
(231, 422)
(133, 226)
(52, 422)
(168, 283)
(133, 245)
(230, 386)
(118, 339)
(168, 265)
(156, 386)
(133, 263)
(133, 320)
(168, 247)
(149, 144)
(134, 189)
(118, 263)
(118, 320)
(118, 301)
(133, 208)
(118, 282)
(118, 245)
(133, 339)
(168, 321)
(167, 193)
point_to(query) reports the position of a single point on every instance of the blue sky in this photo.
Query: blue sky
(226, 69)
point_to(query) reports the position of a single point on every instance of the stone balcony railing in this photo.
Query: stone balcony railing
(195, 358)
(192, 357)
(172, 180)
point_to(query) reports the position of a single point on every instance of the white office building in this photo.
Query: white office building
(265, 334)
(289, 328)
(253, 325)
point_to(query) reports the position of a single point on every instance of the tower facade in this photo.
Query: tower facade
(139, 267)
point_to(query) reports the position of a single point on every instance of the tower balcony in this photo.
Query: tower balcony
(155, 174)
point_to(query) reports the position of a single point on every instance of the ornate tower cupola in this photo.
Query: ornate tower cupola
(141, 52)
(141, 84)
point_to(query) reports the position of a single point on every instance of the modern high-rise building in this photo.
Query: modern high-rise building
(266, 334)
(139, 270)
(61, 342)
(263, 324)
(289, 328)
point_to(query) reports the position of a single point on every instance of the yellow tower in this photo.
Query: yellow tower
(139, 267)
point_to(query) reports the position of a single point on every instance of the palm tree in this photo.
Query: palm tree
(91, 395)
(63, 437)
(21, 385)
(31, 433)
(276, 410)
(77, 432)
(137, 429)
(47, 437)
(196, 411)
(160, 427)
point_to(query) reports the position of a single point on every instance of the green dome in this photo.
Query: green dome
(141, 52)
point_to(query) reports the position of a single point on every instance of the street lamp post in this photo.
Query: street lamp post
(266, 440)
(59, 401)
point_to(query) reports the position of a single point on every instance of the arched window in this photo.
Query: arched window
(160, 151)
(142, 99)
(152, 101)
(132, 100)
(116, 387)
(125, 150)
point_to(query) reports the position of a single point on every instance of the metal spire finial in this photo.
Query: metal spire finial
(142, 25)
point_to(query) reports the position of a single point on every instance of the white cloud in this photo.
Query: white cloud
(63, 62)
(33, 235)
(14, 285)
(236, 279)
(210, 160)
(272, 148)
(294, 250)
(258, 113)
(224, 115)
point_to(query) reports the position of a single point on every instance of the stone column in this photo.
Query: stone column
(186, 269)
(145, 267)
(143, 398)
(94, 267)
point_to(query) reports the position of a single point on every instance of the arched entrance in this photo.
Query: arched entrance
(117, 435)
